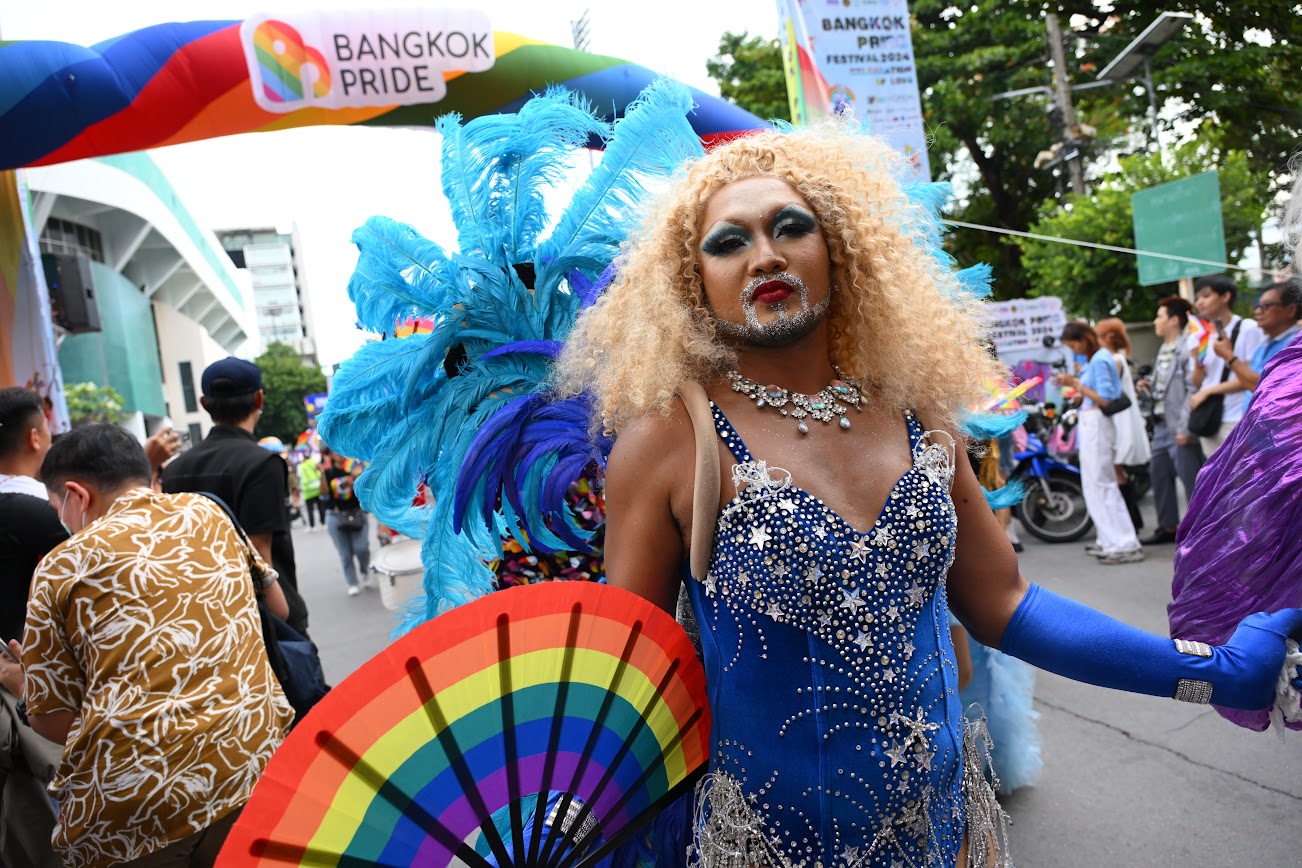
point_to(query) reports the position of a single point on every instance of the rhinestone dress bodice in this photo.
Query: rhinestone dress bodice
(837, 735)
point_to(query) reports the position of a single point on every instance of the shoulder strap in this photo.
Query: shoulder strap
(705, 497)
(1234, 339)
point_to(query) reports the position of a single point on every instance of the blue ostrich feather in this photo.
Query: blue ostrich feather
(1007, 496)
(991, 426)
(496, 448)
(650, 142)
(399, 274)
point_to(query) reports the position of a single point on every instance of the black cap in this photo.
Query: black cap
(231, 378)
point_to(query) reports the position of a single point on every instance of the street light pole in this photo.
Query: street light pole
(1062, 95)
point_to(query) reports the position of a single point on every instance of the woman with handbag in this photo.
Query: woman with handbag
(347, 523)
(1131, 452)
(1102, 398)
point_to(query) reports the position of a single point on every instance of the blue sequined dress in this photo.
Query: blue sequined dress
(838, 735)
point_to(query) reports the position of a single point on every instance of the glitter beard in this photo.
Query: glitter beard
(781, 332)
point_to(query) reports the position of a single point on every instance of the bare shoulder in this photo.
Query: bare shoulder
(654, 442)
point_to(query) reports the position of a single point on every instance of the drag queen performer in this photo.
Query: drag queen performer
(790, 276)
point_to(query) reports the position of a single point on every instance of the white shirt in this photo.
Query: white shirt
(22, 485)
(1250, 337)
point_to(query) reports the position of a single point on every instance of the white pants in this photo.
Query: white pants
(1097, 441)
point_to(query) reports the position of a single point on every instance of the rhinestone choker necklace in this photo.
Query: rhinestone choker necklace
(827, 404)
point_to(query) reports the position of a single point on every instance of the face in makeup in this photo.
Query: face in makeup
(764, 263)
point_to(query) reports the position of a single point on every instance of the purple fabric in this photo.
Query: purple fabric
(1239, 549)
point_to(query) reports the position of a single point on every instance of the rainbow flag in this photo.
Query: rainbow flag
(1204, 331)
(808, 92)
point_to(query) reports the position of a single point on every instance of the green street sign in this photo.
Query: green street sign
(1182, 218)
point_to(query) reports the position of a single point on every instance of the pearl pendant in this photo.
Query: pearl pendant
(802, 428)
(845, 423)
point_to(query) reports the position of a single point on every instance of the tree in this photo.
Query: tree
(89, 403)
(1235, 66)
(749, 72)
(1098, 283)
(286, 380)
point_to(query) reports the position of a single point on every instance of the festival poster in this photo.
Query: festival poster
(1021, 324)
(864, 52)
(28, 353)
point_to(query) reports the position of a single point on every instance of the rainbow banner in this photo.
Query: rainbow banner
(182, 82)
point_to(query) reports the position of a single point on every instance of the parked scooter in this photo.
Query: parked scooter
(1053, 507)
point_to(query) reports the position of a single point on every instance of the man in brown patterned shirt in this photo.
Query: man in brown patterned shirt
(143, 656)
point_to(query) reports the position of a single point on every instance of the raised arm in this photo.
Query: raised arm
(648, 507)
(1003, 611)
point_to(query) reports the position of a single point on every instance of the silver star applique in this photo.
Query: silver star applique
(912, 510)
(898, 754)
(787, 505)
(710, 584)
(781, 570)
(863, 641)
(820, 532)
(814, 574)
(759, 536)
(774, 611)
(883, 536)
(825, 620)
(916, 595)
(851, 601)
(883, 571)
(893, 612)
(921, 549)
(859, 549)
(888, 675)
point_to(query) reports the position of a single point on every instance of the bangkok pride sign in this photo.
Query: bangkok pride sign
(350, 59)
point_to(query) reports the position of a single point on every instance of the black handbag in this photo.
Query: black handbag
(1205, 419)
(1115, 406)
(352, 519)
(294, 658)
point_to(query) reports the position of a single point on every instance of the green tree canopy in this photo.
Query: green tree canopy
(1098, 283)
(749, 72)
(286, 380)
(89, 403)
(1235, 66)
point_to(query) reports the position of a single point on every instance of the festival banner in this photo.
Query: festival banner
(28, 354)
(1023, 323)
(864, 53)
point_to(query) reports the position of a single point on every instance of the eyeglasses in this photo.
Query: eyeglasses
(1266, 305)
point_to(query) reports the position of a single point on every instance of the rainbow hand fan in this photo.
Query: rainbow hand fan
(572, 688)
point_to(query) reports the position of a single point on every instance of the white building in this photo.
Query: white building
(273, 261)
(169, 301)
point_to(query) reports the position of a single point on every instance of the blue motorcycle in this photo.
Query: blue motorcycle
(1053, 506)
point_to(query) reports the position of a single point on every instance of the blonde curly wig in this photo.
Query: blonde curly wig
(898, 323)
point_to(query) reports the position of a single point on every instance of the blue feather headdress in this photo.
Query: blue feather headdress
(465, 409)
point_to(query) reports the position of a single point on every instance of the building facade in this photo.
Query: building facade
(165, 300)
(273, 261)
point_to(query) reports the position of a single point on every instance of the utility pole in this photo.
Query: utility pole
(1062, 96)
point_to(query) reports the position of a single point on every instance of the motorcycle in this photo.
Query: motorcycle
(1053, 506)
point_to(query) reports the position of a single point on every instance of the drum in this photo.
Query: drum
(401, 572)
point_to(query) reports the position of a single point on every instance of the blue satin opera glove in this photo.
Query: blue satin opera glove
(1064, 637)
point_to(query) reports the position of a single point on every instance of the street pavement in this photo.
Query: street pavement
(1128, 780)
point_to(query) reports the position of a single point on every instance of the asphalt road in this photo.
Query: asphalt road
(1128, 780)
